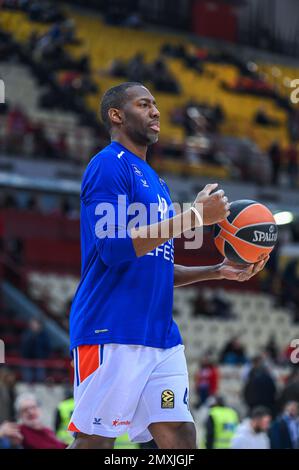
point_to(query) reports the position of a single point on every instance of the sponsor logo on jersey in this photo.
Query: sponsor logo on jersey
(118, 422)
(120, 154)
(145, 183)
(163, 206)
(166, 251)
(137, 170)
(167, 399)
(97, 421)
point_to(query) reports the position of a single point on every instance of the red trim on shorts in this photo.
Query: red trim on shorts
(73, 428)
(88, 360)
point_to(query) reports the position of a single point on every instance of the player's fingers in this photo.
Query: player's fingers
(209, 188)
(218, 194)
(257, 267)
(243, 277)
(249, 271)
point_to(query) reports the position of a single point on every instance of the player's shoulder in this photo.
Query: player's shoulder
(105, 170)
(106, 162)
(108, 156)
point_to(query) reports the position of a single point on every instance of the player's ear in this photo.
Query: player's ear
(115, 116)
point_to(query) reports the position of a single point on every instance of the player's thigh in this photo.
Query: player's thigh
(86, 441)
(174, 435)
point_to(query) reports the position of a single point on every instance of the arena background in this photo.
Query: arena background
(223, 75)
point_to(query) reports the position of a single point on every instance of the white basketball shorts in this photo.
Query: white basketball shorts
(122, 388)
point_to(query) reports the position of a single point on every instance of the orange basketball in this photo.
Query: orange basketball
(248, 234)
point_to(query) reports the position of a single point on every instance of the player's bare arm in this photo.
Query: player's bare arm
(214, 207)
(184, 275)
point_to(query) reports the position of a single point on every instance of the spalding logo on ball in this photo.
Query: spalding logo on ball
(248, 234)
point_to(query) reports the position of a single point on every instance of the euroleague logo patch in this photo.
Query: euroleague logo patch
(167, 399)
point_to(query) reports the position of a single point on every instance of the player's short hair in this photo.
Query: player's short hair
(115, 97)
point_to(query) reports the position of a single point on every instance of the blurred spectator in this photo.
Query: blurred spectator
(284, 432)
(162, 78)
(41, 144)
(292, 164)
(63, 414)
(212, 306)
(33, 204)
(7, 394)
(201, 304)
(116, 68)
(274, 153)
(271, 280)
(192, 60)
(137, 70)
(253, 85)
(15, 249)
(221, 425)
(61, 146)
(252, 432)
(134, 20)
(271, 349)
(68, 209)
(35, 434)
(16, 127)
(221, 307)
(291, 390)
(9, 202)
(233, 353)
(206, 380)
(289, 283)
(261, 117)
(35, 345)
(260, 388)
(10, 436)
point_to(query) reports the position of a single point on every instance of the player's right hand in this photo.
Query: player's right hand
(213, 207)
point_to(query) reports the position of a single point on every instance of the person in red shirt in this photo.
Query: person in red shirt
(35, 434)
(206, 380)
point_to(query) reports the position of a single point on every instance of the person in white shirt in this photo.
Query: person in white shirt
(252, 432)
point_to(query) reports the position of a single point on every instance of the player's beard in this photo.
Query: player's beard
(142, 136)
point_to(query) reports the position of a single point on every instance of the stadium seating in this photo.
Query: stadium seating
(206, 87)
(24, 91)
(255, 321)
(55, 290)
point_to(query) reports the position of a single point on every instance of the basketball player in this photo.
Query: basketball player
(130, 367)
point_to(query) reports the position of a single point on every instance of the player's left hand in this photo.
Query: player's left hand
(240, 272)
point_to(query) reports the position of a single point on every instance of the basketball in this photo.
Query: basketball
(248, 234)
